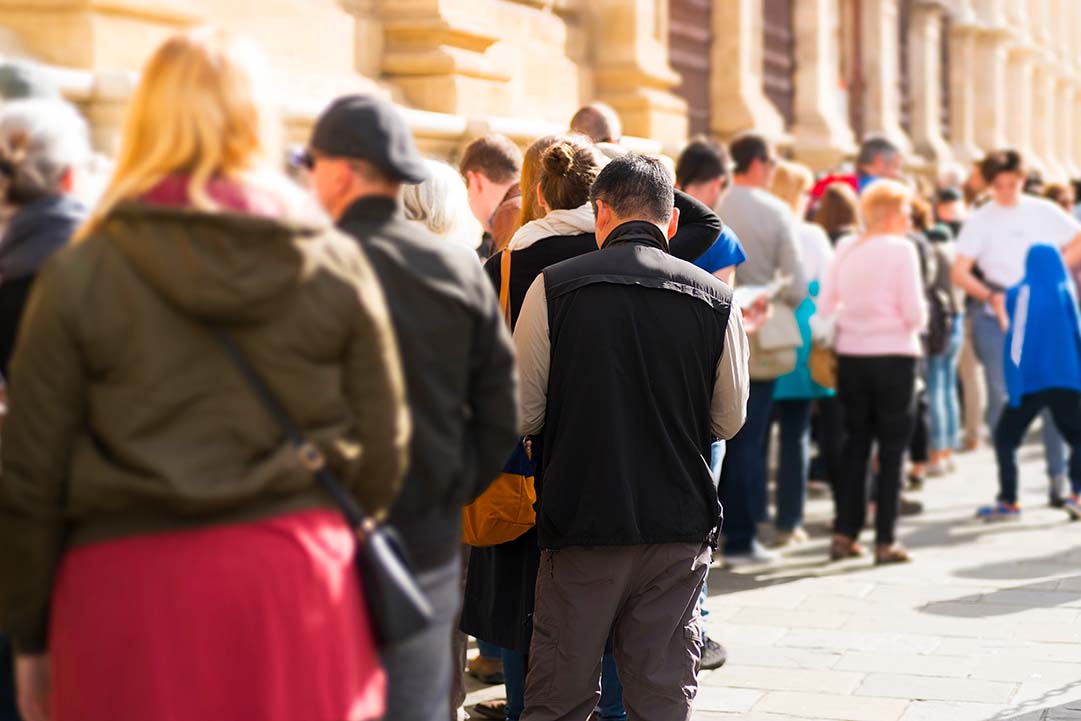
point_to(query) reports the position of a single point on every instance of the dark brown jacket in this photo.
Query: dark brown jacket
(127, 418)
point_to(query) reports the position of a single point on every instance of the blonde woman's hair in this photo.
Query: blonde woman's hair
(441, 204)
(791, 182)
(882, 199)
(531, 170)
(201, 109)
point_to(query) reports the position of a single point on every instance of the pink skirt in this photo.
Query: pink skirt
(258, 621)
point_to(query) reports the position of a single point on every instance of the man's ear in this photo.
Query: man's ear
(673, 224)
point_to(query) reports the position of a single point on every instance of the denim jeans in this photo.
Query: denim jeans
(514, 663)
(489, 650)
(795, 461)
(942, 392)
(610, 707)
(743, 475)
(990, 343)
(1064, 407)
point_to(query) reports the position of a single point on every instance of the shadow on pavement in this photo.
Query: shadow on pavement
(1037, 709)
(1003, 602)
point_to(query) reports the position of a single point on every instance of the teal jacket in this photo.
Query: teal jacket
(798, 385)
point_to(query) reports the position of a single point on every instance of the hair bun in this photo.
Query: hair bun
(558, 160)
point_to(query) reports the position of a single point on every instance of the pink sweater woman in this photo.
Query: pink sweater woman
(875, 292)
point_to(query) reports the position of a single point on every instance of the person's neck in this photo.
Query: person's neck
(746, 181)
(347, 201)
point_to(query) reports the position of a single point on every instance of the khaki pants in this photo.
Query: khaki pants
(646, 597)
(973, 388)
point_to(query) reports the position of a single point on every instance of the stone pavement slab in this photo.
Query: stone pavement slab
(985, 625)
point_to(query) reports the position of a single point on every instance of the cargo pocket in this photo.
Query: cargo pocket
(544, 662)
(692, 645)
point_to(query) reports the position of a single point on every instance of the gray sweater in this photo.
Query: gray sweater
(767, 230)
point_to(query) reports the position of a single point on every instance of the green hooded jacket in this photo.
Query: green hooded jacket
(126, 417)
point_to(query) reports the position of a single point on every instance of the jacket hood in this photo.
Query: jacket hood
(37, 231)
(1043, 344)
(578, 221)
(223, 267)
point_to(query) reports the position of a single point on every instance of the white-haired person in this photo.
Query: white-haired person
(441, 204)
(44, 146)
(164, 552)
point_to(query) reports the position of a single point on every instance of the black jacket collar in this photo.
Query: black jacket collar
(371, 208)
(639, 232)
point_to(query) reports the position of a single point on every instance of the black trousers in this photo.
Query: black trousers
(878, 396)
(1065, 406)
(829, 435)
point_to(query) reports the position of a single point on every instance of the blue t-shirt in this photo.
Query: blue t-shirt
(725, 251)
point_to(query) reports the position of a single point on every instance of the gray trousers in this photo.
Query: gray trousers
(647, 597)
(419, 670)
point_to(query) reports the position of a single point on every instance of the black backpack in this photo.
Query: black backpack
(935, 271)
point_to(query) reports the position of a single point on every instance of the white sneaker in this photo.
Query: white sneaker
(759, 555)
(788, 539)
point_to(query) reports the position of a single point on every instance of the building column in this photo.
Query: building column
(925, 72)
(434, 52)
(881, 74)
(1065, 124)
(1066, 17)
(97, 34)
(989, 77)
(822, 135)
(963, 69)
(737, 95)
(632, 73)
(1020, 73)
(1044, 106)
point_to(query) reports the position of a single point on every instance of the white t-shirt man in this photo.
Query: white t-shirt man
(998, 237)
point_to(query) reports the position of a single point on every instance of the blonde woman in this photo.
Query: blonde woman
(163, 553)
(875, 289)
(795, 393)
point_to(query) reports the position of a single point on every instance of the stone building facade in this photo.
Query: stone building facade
(946, 79)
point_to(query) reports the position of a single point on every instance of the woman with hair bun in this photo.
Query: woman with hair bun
(500, 585)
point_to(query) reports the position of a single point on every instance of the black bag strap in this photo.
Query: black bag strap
(310, 455)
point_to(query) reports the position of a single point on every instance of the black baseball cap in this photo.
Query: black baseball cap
(366, 127)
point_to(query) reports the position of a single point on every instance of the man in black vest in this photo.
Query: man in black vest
(631, 361)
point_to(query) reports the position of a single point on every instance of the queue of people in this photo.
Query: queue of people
(555, 374)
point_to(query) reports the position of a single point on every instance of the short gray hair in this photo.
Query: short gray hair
(874, 147)
(40, 140)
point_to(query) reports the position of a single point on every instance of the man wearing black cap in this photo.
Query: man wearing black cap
(459, 371)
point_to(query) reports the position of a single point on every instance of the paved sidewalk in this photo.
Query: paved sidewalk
(985, 625)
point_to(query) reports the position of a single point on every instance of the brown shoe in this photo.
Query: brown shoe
(843, 547)
(888, 553)
(486, 670)
(495, 710)
(909, 507)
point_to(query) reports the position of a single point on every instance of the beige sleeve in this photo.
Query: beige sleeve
(732, 384)
(533, 348)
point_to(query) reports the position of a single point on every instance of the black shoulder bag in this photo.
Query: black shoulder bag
(396, 606)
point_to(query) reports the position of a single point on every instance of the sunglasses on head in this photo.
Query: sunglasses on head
(302, 158)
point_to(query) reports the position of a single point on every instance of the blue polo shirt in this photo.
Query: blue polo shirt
(725, 251)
